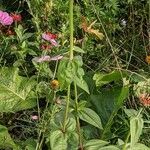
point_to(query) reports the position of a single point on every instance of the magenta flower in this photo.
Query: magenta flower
(50, 37)
(5, 18)
(47, 58)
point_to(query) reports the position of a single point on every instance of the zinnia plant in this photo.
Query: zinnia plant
(5, 18)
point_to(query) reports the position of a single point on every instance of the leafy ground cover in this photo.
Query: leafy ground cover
(74, 75)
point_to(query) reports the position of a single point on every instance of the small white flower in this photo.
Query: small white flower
(123, 22)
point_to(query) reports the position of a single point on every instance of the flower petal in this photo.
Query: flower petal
(41, 59)
(58, 57)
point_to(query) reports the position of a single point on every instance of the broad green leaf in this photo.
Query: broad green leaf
(139, 146)
(136, 126)
(110, 147)
(131, 112)
(106, 102)
(95, 144)
(5, 139)
(71, 125)
(64, 73)
(99, 145)
(102, 79)
(90, 116)
(78, 49)
(73, 141)
(82, 84)
(16, 92)
(58, 140)
(107, 105)
(71, 71)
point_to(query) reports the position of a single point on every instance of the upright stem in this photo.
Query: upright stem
(77, 118)
(66, 110)
(71, 27)
(70, 57)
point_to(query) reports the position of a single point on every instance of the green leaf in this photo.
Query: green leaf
(95, 144)
(78, 49)
(82, 84)
(110, 147)
(131, 112)
(73, 141)
(58, 140)
(139, 146)
(16, 92)
(71, 71)
(107, 105)
(106, 102)
(71, 125)
(102, 79)
(136, 126)
(99, 145)
(30, 144)
(90, 116)
(5, 139)
(64, 73)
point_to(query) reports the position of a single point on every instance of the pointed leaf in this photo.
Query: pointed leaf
(90, 116)
(58, 141)
(5, 139)
(136, 126)
(16, 92)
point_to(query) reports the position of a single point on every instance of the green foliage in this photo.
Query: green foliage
(102, 79)
(102, 107)
(16, 92)
(5, 139)
(107, 105)
(58, 140)
(96, 144)
(136, 126)
(88, 115)
(71, 71)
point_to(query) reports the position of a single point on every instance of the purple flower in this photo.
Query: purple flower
(5, 18)
(47, 58)
(42, 59)
(50, 37)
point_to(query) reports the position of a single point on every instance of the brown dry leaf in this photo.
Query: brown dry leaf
(90, 30)
(97, 33)
(147, 59)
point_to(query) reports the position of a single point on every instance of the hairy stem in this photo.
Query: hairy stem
(67, 109)
(71, 27)
(77, 118)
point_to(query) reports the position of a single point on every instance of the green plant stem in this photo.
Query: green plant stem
(141, 109)
(70, 57)
(66, 110)
(77, 118)
(108, 125)
(56, 66)
(71, 27)
(126, 141)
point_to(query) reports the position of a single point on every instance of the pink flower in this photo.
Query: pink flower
(34, 117)
(42, 59)
(47, 58)
(55, 58)
(50, 37)
(5, 18)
